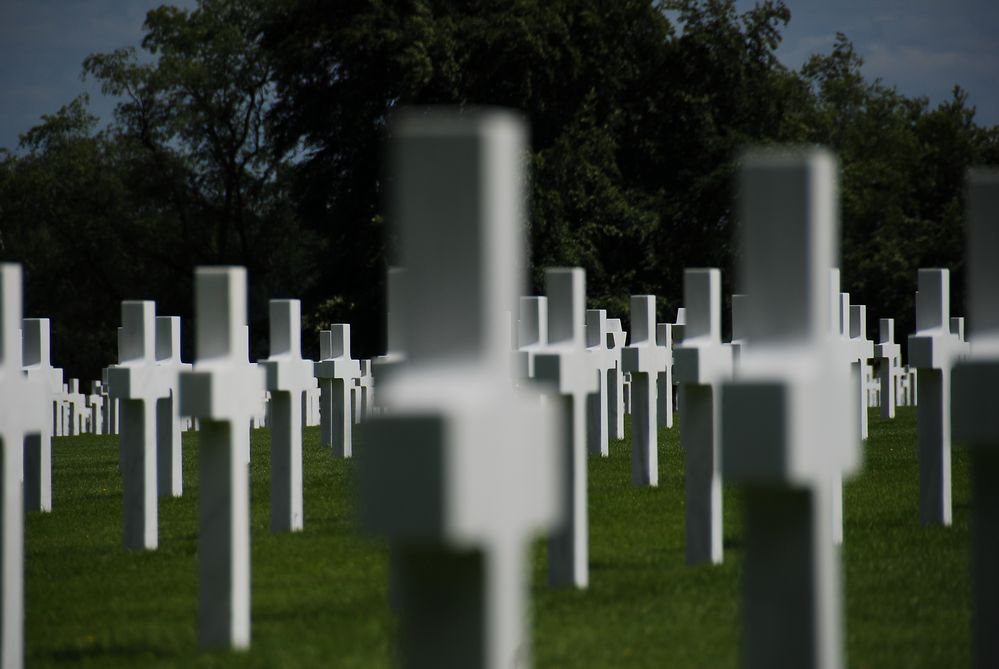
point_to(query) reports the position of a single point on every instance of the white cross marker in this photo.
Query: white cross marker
(932, 351)
(603, 360)
(35, 336)
(976, 419)
(890, 354)
(863, 350)
(739, 318)
(463, 469)
(222, 392)
(170, 460)
(137, 382)
(532, 332)
(288, 377)
(23, 412)
(616, 339)
(702, 362)
(787, 422)
(340, 371)
(643, 360)
(665, 379)
(564, 364)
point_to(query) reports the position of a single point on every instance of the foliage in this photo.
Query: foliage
(251, 132)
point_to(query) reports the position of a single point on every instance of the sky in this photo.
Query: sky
(923, 47)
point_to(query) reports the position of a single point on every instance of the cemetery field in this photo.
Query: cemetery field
(320, 596)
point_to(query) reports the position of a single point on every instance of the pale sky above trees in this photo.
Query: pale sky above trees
(923, 47)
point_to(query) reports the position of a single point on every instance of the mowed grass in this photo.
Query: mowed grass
(320, 596)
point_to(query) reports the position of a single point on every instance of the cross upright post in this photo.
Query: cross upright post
(532, 332)
(138, 383)
(602, 358)
(95, 400)
(23, 412)
(641, 359)
(702, 362)
(564, 366)
(889, 354)
(463, 468)
(616, 339)
(170, 461)
(340, 370)
(37, 364)
(222, 391)
(976, 419)
(382, 366)
(863, 350)
(932, 351)
(738, 329)
(288, 377)
(665, 378)
(787, 422)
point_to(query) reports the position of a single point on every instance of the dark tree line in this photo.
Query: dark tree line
(251, 133)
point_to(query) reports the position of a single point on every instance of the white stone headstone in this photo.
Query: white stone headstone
(739, 317)
(564, 365)
(37, 465)
(23, 411)
(889, 355)
(863, 351)
(169, 424)
(932, 351)
(138, 383)
(664, 379)
(340, 371)
(976, 419)
(616, 340)
(701, 363)
(462, 469)
(222, 392)
(642, 358)
(532, 331)
(787, 422)
(603, 361)
(288, 378)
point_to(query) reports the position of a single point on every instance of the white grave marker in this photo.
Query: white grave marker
(863, 350)
(976, 419)
(702, 362)
(222, 392)
(532, 332)
(137, 382)
(643, 360)
(23, 412)
(288, 378)
(616, 340)
(169, 424)
(602, 359)
(36, 352)
(932, 351)
(890, 355)
(462, 470)
(340, 371)
(788, 423)
(563, 363)
(665, 379)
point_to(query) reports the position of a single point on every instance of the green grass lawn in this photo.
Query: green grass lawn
(319, 597)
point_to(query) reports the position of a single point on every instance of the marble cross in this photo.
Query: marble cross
(643, 360)
(532, 332)
(738, 329)
(603, 360)
(616, 339)
(701, 364)
(889, 355)
(23, 412)
(37, 365)
(787, 421)
(976, 418)
(288, 377)
(563, 365)
(138, 383)
(863, 350)
(169, 424)
(222, 391)
(463, 469)
(339, 370)
(932, 351)
(665, 378)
